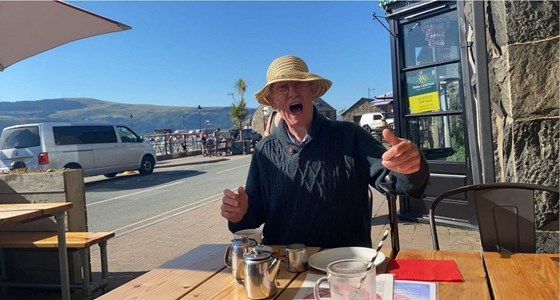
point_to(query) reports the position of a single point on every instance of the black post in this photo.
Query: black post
(199, 120)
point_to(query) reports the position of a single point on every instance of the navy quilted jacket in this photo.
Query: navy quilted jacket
(317, 193)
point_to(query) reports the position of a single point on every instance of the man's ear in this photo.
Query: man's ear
(270, 100)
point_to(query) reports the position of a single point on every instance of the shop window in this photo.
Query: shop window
(431, 40)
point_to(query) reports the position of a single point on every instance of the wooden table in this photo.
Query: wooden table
(25, 212)
(199, 274)
(470, 265)
(497, 275)
(523, 275)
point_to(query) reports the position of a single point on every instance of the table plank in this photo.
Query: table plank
(18, 216)
(470, 265)
(24, 212)
(176, 277)
(523, 275)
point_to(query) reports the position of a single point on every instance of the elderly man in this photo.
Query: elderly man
(308, 181)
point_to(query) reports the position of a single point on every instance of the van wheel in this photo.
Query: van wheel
(366, 128)
(147, 166)
(73, 166)
(110, 175)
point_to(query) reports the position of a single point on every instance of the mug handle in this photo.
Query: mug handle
(316, 287)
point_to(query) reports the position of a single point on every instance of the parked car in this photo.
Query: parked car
(373, 121)
(234, 133)
(96, 148)
(250, 134)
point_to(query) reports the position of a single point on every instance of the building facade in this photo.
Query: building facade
(476, 87)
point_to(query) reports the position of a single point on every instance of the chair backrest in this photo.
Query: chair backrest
(505, 214)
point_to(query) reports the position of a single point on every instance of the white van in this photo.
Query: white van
(96, 148)
(372, 121)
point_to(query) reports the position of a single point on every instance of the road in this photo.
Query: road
(130, 202)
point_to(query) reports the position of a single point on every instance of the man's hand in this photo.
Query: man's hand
(403, 156)
(234, 206)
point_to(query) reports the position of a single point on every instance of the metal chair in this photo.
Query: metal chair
(505, 214)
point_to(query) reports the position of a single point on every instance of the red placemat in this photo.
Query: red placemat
(425, 270)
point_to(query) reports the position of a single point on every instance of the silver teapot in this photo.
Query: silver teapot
(233, 256)
(260, 271)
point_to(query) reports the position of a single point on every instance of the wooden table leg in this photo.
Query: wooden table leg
(62, 256)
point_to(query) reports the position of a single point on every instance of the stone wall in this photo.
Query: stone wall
(523, 53)
(361, 108)
(258, 122)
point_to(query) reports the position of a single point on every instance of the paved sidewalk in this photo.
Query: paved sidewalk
(134, 253)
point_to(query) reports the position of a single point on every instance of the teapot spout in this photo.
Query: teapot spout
(272, 270)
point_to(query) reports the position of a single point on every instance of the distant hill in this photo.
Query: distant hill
(145, 118)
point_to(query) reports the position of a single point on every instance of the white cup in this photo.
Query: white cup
(255, 234)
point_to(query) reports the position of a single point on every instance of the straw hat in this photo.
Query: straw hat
(291, 68)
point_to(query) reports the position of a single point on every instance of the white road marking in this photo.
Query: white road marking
(227, 170)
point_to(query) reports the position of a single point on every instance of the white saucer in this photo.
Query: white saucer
(322, 259)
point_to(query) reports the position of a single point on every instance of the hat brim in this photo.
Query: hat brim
(322, 85)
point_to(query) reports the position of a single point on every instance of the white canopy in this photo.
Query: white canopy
(31, 27)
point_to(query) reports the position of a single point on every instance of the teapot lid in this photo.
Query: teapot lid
(258, 254)
(243, 240)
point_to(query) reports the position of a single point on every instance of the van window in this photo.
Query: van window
(71, 135)
(388, 115)
(21, 138)
(127, 135)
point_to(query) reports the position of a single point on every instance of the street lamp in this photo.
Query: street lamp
(131, 120)
(184, 122)
(199, 121)
(368, 90)
(233, 97)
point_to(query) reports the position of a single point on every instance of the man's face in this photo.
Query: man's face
(294, 102)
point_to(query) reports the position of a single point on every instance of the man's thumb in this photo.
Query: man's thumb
(390, 137)
(240, 191)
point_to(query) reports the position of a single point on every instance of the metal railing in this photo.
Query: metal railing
(175, 143)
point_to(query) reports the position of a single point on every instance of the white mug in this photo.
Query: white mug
(255, 234)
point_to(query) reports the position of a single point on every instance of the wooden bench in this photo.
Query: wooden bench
(81, 241)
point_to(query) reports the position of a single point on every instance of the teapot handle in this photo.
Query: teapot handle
(240, 273)
(227, 257)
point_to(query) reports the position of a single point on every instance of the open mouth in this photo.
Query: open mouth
(296, 108)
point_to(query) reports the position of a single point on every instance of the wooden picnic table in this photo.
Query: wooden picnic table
(523, 275)
(470, 265)
(202, 274)
(25, 212)
(509, 276)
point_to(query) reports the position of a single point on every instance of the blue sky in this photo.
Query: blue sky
(185, 53)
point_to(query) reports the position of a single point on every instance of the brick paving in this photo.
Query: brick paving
(134, 253)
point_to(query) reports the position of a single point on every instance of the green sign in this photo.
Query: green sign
(422, 91)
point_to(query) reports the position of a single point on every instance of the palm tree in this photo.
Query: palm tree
(239, 110)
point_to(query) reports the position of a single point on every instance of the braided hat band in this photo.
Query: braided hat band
(291, 68)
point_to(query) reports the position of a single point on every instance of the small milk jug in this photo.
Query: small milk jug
(233, 257)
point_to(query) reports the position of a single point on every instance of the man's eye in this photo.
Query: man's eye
(282, 88)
